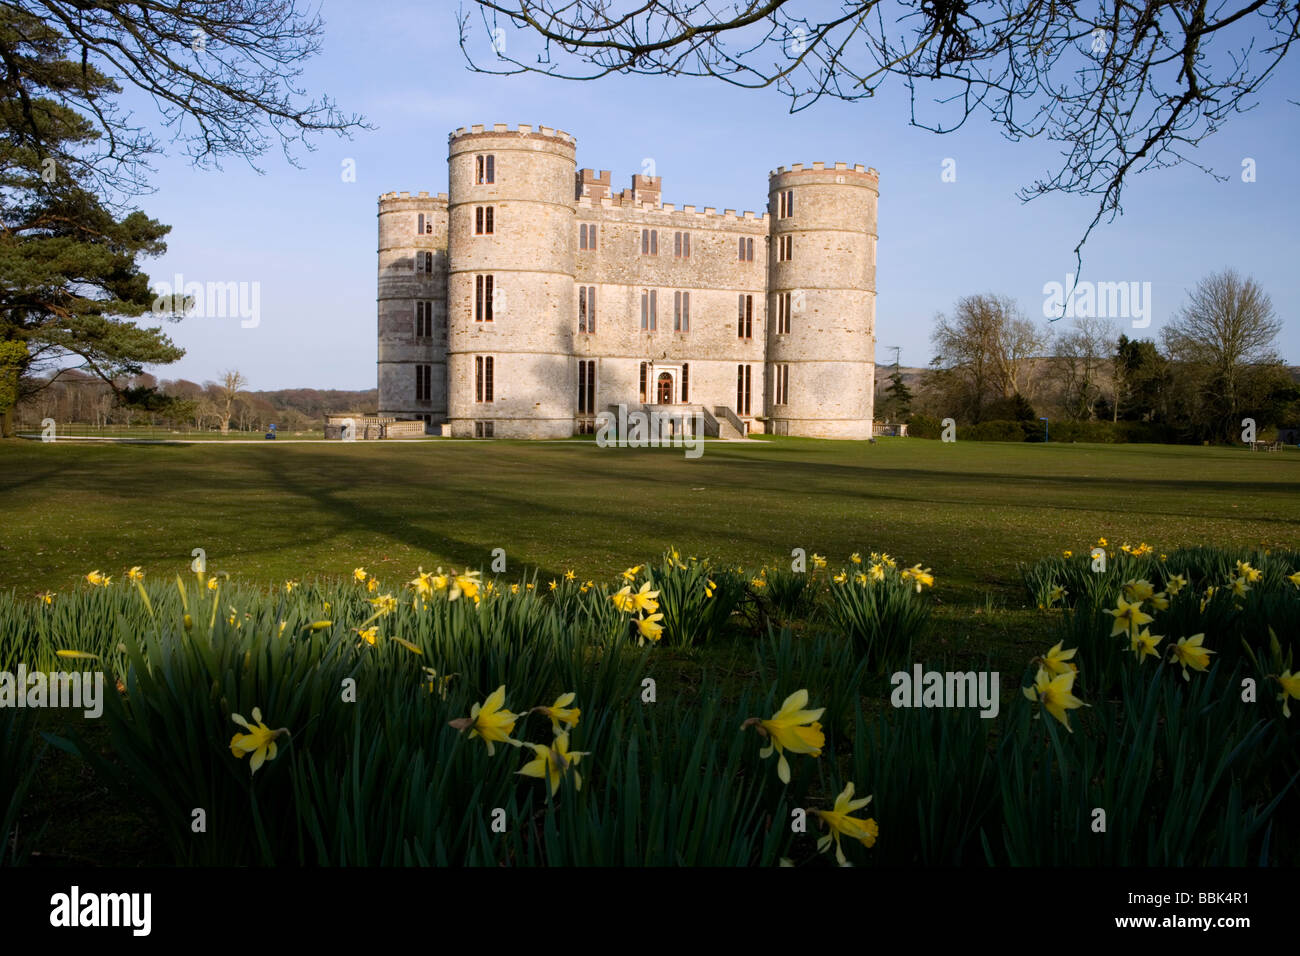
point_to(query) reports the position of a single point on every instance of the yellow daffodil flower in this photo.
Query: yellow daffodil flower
(1175, 584)
(919, 576)
(554, 584)
(1056, 594)
(791, 728)
(1189, 652)
(553, 762)
(1290, 688)
(1057, 660)
(1055, 694)
(98, 580)
(631, 573)
(135, 574)
(1138, 591)
(384, 604)
(46, 598)
(877, 572)
(490, 720)
(1144, 645)
(1294, 578)
(840, 578)
(649, 627)
(289, 586)
(709, 588)
(818, 561)
(561, 713)
(1252, 575)
(855, 557)
(623, 599)
(842, 824)
(1240, 587)
(645, 599)
(259, 741)
(359, 575)
(1128, 617)
(570, 576)
(370, 635)
(1067, 554)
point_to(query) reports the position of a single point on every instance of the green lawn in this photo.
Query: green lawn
(968, 510)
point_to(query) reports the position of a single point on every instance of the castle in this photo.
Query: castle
(529, 298)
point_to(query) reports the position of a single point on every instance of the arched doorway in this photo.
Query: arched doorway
(664, 387)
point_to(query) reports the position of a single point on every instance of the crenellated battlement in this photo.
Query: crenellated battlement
(505, 129)
(668, 209)
(392, 196)
(867, 171)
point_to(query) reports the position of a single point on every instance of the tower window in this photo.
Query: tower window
(785, 204)
(649, 310)
(587, 308)
(745, 317)
(484, 217)
(782, 385)
(744, 376)
(483, 378)
(785, 248)
(783, 313)
(485, 170)
(586, 387)
(746, 249)
(649, 242)
(681, 311)
(423, 319)
(423, 380)
(424, 262)
(484, 290)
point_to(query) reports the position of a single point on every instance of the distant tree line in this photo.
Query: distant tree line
(75, 398)
(1216, 363)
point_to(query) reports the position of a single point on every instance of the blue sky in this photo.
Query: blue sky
(309, 238)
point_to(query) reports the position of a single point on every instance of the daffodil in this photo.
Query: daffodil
(490, 720)
(757, 582)
(46, 598)
(437, 683)
(213, 584)
(1056, 661)
(1175, 584)
(709, 588)
(877, 572)
(97, 579)
(649, 627)
(1057, 593)
(384, 604)
(289, 586)
(514, 589)
(1102, 542)
(840, 578)
(1294, 578)
(561, 713)
(1252, 575)
(1290, 688)
(623, 599)
(135, 574)
(1055, 694)
(1144, 645)
(842, 824)
(919, 576)
(570, 576)
(373, 584)
(359, 575)
(855, 558)
(645, 599)
(631, 573)
(818, 561)
(370, 635)
(1128, 617)
(259, 741)
(554, 762)
(791, 728)
(1160, 601)
(1138, 591)
(1239, 586)
(1189, 652)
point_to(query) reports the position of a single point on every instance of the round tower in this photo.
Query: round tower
(821, 301)
(412, 305)
(510, 282)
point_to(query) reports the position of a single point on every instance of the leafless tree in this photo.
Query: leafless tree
(1083, 356)
(1122, 86)
(232, 385)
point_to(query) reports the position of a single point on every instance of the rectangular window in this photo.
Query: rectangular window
(785, 248)
(681, 311)
(649, 310)
(484, 220)
(423, 319)
(419, 225)
(686, 383)
(746, 249)
(682, 245)
(745, 316)
(643, 378)
(586, 387)
(782, 313)
(785, 204)
(582, 236)
(483, 429)
(423, 379)
(587, 308)
(649, 242)
(482, 378)
(485, 170)
(424, 262)
(483, 294)
(744, 376)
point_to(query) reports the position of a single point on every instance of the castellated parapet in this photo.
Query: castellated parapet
(538, 296)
